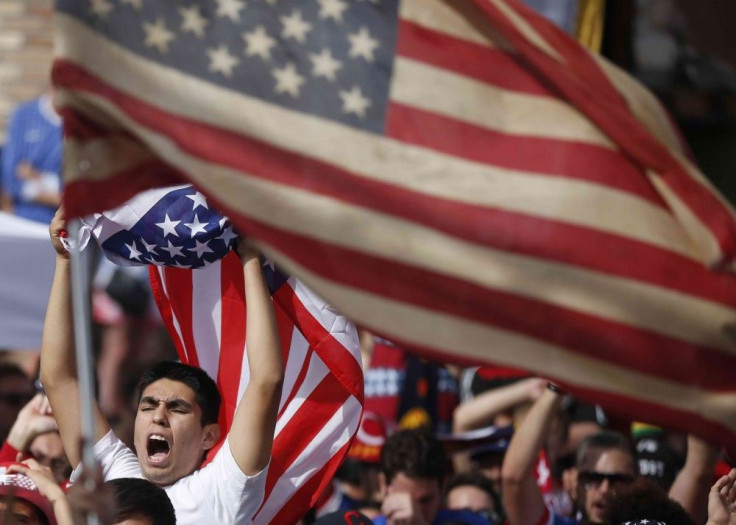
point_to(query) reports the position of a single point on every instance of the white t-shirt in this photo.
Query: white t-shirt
(219, 493)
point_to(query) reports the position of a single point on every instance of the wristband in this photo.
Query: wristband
(556, 389)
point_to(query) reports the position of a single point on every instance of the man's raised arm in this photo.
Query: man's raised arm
(251, 434)
(58, 363)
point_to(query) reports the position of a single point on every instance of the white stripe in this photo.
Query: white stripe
(475, 341)
(426, 87)
(174, 321)
(330, 439)
(294, 365)
(440, 16)
(207, 317)
(526, 30)
(378, 158)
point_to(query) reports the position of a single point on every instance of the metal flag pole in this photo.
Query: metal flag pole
(83, 344)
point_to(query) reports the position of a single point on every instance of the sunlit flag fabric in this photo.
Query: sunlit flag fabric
(204, 311)
(459, 176)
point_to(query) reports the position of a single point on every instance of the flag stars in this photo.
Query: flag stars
(362, 44)
(227, 236)
(200, 248)
(101, 8)
(259, 43)
(198, 200)
(134, 253)
(193, 21)
(196, 226)
(354, 102)
(221, 61)
(295, 26)
(230, 9)
(332, 9)
(288, 80)
(150, 248)
(173, 250)
(157, 35)
(168, 226)
(324, 65)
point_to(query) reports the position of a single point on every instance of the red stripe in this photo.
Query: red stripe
(164, 308)
(608, 341)
(541, 156)
(586, 91)
(490, 65)
(510, 231)
(307, 494)
(321, 404)
(232, 325)
(179, 289)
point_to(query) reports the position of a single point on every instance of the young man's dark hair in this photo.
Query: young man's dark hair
(205, 390)
(415, 453)
(592, 446)
(476, 479)
(644, 501)
(139, 498)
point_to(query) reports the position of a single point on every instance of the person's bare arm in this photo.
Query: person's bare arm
(251, 434)
(522, 498)
(722, 501)
(692, 484)
(480, 411)
(58, 362)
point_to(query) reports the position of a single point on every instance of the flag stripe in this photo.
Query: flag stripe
(489, 65)
(178, 286)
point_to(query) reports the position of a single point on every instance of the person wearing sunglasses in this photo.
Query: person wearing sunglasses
(604, 464)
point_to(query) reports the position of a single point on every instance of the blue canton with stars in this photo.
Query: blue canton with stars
(330, 58)
(180, 230)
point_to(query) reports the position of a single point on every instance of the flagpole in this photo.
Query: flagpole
(83, 339)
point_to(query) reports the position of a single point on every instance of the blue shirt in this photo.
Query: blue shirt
(34, 135)
(445, 515)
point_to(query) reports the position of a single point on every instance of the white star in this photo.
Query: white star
(177, 264)
(157, 35)
(193, 21)
(101, 8)
(230, 9)
(173, 250)
(222, 222)
(150, 248)
(153, 261)
(269, 263)
(362, 44)
(201, 248)
(353, 101)
(332, 9)
(137, 4)
(257, 42)
(221, 61)
(295, 26)
(227, 235)
(168, 226)
(196, 226)
(134, 253)
(324, 65)
(288, 80)
(198, 200)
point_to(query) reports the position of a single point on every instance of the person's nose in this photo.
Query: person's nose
(159, 415)
(605, 486)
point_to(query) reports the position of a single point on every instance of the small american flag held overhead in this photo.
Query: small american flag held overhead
(204, 311)
(458, 176)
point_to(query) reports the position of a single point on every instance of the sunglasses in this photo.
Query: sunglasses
(593, 480)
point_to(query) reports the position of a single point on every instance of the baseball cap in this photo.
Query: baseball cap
(21, 487)
(342, 517)
(369, 439)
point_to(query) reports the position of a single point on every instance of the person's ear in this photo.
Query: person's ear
(211, 435)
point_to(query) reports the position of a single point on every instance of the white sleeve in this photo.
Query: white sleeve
(220, 490)
(116, 460)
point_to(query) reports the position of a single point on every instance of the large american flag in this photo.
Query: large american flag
(458, 176)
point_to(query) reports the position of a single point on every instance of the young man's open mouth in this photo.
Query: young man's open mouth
(158, 449)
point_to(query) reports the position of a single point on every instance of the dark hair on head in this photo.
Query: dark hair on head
(644, 500)
(205, 389)
(594, 445)
(10, 370)
(415, 453)
(139, 498)
(474, 479)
